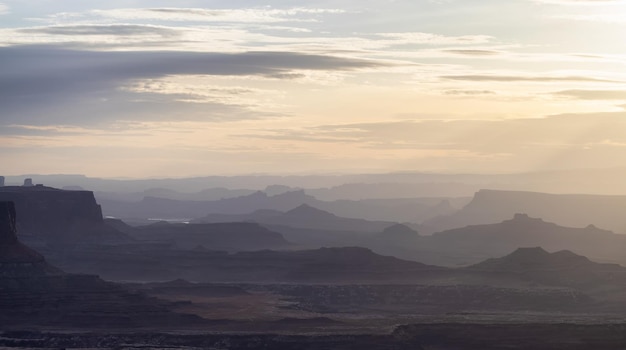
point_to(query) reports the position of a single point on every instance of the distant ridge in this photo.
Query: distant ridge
(303, 216)
(560, 268)
(309, 212)
(573, 210)
(150, 207)
(528, 259)
(398, 233)
(498, 239)
(229, 236)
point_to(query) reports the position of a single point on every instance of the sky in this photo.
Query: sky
(135, 88)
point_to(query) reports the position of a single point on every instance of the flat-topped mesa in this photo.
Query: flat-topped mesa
(53, 215)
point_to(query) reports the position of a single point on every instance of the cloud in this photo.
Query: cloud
(508, 135)
(468, 92)
(243, 15)
(433, 39)
(34, 80)
(4, 9)
(469, 52)
(593, 94)
(521, 78)
(580, 2)
(102, 29)
(598, 17)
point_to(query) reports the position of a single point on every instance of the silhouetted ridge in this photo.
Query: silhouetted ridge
(563, 268)
(525, 259)
(399, 231)
(334, 264)
(231, 236)
(309, 212)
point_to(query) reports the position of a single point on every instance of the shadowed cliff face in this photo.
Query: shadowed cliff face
(7, 223)
(11, 250)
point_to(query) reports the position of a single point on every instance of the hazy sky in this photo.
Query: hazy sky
(175, 88)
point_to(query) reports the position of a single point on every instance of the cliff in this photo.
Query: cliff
(54, 215)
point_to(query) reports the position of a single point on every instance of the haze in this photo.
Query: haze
(140, 89)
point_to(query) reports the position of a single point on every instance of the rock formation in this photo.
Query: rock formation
(54, 215)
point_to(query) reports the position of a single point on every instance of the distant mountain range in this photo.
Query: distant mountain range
(397, 210)
(153, 207)
(358, 186)
(302, 216)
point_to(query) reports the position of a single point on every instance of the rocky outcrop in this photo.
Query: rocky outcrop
(54, 215)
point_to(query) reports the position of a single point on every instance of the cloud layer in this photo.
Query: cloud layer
(394, 85)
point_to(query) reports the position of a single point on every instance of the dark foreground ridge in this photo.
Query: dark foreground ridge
(443, 336)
